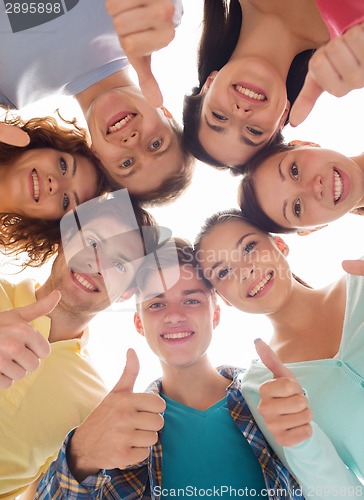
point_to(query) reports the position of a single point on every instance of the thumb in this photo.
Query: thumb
(147, 83)
(130, 373)
(39, 308)
(13, 135)
(305, 101)
(355, 267)
(271, 360)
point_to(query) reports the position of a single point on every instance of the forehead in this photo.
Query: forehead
(185, 279)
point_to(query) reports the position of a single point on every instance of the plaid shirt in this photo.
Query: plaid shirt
(139, 481)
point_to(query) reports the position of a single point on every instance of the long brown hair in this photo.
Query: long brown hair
(39, 238)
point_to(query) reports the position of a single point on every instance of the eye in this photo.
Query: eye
(294, 171)
(155, 145)
(155, 305)
(297, 207)
(91, 242)
(254, 131)
(63, 166)
(249, 247)
(127, 163)
(218, 117)
(120, 267)
(193, 301)
(222, 273)
(66, 201)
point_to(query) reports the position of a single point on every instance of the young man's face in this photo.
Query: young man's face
(103, 265)
(178, 323)
(134, 141)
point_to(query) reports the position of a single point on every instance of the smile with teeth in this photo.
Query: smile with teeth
(36, 190)
(121, 123)
(176, 335)
(250, 93)
(338, 186)
(260, 285)
(86, 284)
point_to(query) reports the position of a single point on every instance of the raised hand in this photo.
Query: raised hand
(337, 68)
(143, 28)
(119, 432)
(354, 267)
(283, 405)
(15, 136)
(22, 346)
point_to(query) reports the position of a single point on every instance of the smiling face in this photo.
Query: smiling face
(308, 186)
(178, 323)
(242, 110)
(105, 259)
(46, 183)
(246, 267)
(134, 141)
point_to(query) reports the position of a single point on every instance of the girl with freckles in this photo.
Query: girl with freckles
(317, 333)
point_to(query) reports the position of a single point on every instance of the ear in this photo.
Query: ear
(208, 82)
(308, 231)
(138, 324)
(285, 115)
(216, 318)
(299, 143)
(126, 295)
(166, 113)
(281, 245)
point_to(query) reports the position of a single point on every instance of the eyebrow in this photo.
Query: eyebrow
(238, 243)
(285, 202)
(185, 293)
(137, 167)
(222, 130)
(74, 170)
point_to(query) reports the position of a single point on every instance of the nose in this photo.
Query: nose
(244, 272)
(56, 184)
(242, 110)
(315, 187)
(132, 139)
(174, 315)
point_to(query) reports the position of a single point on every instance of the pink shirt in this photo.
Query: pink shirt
(340, 15)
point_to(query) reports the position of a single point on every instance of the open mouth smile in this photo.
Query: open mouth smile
(84, 283)
(245, 91)
(338, 186)
(260, 285)
(120, 123)
(176, 335)
(36, 189)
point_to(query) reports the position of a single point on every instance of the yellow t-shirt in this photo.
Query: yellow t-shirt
(38, 411)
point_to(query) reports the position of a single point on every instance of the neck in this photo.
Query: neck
(65, 324)
(309, 326)
(281, 23)
(208, 385)
(119, 79)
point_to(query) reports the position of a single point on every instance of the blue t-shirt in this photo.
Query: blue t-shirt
(204, 450)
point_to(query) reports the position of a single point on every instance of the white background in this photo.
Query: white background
(334, 123)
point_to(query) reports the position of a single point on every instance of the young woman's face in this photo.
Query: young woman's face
(308, 186)
(246, 267)
(46, 183)
(134, 141)
(242, 110)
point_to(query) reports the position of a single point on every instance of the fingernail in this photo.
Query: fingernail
(257, 340)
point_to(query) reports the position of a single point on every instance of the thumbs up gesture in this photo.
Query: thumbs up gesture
(283, 405)
(22, 346)
(15, 136)
(143, 28)
(119, 432)
(337, 67)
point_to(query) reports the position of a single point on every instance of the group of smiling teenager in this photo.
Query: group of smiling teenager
(131, 138)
